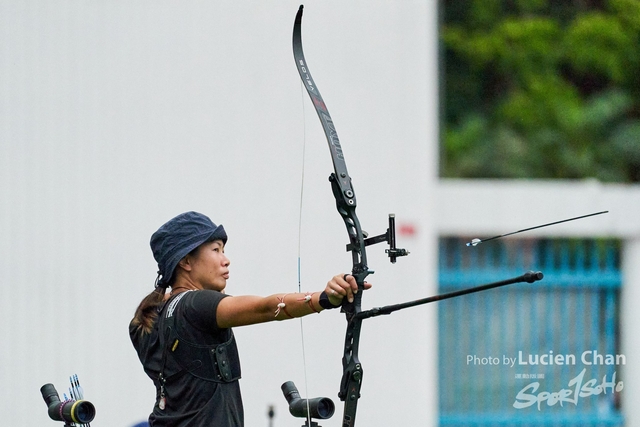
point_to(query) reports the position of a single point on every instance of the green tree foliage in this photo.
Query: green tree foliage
(541, 89)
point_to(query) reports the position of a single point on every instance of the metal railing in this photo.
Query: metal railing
(545, 354)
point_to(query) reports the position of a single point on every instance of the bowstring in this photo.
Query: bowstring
(304, 145)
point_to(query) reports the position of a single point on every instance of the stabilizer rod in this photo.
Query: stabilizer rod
(529, 277)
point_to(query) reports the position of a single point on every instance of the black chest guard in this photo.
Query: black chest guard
(215, 362)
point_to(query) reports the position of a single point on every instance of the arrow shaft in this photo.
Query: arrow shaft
(537, 226)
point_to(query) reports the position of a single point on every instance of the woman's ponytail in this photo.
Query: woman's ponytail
(147, 311)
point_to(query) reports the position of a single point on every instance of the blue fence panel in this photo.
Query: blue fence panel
(542, 354)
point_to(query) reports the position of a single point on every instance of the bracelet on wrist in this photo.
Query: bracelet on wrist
(308, 298)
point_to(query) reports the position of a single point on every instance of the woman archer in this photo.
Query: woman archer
(184, 337)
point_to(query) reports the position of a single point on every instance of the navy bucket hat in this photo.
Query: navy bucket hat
(179, 236)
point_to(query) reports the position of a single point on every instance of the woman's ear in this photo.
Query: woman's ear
(185, 263)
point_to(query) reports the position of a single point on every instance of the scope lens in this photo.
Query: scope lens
(325, 408)
(85, 412)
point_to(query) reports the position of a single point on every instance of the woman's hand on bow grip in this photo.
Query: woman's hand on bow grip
(341, 286)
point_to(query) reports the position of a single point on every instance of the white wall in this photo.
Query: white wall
(484, 208)
(116, 116)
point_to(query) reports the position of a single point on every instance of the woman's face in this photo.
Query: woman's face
(210, 266)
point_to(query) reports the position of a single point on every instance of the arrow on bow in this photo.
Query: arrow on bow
(346, 204)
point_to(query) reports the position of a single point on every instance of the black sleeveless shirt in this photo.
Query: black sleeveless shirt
(198, 361)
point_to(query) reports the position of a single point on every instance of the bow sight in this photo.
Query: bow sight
(389, 237)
